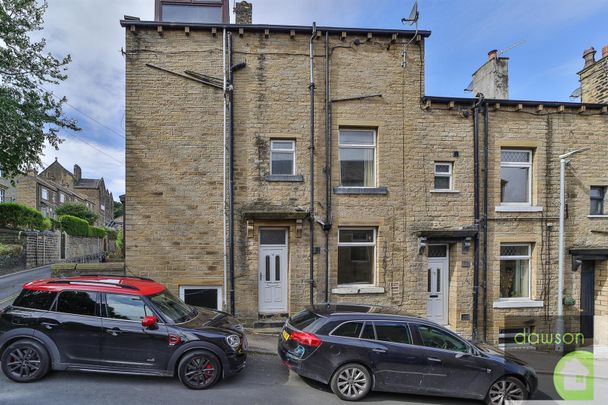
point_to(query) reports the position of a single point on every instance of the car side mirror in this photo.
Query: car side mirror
(149, 321)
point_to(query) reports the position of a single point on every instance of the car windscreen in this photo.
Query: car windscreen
(172, 307)
(303, 319)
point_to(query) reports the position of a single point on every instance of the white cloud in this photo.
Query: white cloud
(95, 160)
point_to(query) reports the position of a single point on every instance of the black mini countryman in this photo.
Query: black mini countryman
(357, 349)
(125, 325)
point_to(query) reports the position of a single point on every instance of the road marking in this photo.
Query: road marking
(9, 299)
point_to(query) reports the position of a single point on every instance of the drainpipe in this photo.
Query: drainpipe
(225, 298)
(231, 172)
(476, 215)
(486, 136)
(311, 87)
(328, 157)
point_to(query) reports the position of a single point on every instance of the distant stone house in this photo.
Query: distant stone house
(56, 185)
(7, 189)
(442, 207)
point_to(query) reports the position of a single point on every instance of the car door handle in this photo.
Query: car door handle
(49, 325)
(114, 331)
(378, 350)
(433, 359)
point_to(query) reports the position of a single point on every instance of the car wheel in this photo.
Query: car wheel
(199, 370)
(25, 361)
(505, 390)
(351, 382)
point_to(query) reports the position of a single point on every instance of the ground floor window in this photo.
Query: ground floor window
(356, 256)
(200, 296)
(515, 270)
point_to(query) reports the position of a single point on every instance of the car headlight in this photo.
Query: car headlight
(233, 341)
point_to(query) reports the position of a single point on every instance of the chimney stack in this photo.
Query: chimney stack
(589, 56)
(77, 173)
(605, 51)
(244, 12)
(492, 78)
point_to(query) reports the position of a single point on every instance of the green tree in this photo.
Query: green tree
(118, 209)
(29, 114)
(76, 210)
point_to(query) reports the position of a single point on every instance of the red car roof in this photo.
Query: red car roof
(108, 284)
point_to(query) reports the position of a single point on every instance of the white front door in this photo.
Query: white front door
(437, 284)
(272, 269)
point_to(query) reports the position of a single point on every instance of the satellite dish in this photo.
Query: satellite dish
(413, 18)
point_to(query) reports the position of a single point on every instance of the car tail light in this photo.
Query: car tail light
(305, 338)
(174, 340)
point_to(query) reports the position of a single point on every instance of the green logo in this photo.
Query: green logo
(573, 376)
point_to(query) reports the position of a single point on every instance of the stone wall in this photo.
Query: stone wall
(594, 81)
(42, 248)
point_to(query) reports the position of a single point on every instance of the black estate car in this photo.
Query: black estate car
(125, 325)
(356, 349)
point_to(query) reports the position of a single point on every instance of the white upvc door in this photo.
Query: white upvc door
(437, 287)
(272, 276)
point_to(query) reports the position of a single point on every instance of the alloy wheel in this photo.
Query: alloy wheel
(23, 362)
(352, 382)
(505, 390)
(200, 371)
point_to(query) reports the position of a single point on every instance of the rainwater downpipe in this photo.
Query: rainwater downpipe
(328, 160)
(225, 298)
(231, 171)
(476, 217)
(486, 137)
(311, 88)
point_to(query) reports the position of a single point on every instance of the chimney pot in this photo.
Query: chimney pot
(605, 51)
(244, 12)
(589, 56)
(492, 54)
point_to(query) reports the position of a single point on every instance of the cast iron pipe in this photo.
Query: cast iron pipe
(328, 145)
(231, 173)
(311, 88)
(476, 217)
(486, 120)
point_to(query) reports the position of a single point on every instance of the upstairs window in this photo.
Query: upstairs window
(443, 176)
(515, 176)
(44, 193)
(515, 270)
(282, 157)
(357, 148)
(2, 195)
(61, 198)
(597, 196)
(191, 12)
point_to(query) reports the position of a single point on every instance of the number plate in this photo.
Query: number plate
(285, 335)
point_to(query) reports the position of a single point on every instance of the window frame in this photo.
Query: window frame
(98, 303)
(104, 307)
(220, 302)
(43, 191)
(420, 341)
(449, 174)
(518, 257)
(602, 199)
(61, 197)
(528, 165)
(292, 151)
(350, 244)
(359, 146)
(2, 195)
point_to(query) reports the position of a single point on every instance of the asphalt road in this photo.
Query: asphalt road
(265, 381)
(10, 285)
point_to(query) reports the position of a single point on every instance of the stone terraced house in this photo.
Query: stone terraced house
(243, 195)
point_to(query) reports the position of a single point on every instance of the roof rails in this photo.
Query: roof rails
(88, 282)
(109, 276)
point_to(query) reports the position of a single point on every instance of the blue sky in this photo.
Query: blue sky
(544, 67)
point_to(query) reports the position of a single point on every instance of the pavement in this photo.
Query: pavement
(10, 284)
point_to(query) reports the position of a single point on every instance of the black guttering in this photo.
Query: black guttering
(529, 103)
(300, 29)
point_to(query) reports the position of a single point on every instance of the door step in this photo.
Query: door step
(268, 323)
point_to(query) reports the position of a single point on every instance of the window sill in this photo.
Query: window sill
(284, 178)
(446, 191)
(597, 216)
(518, 208)
(361, 190)
(523, 303)
(357, 290)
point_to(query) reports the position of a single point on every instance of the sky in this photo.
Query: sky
(550, 36)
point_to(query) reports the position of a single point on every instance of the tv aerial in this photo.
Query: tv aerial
(412, 19)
